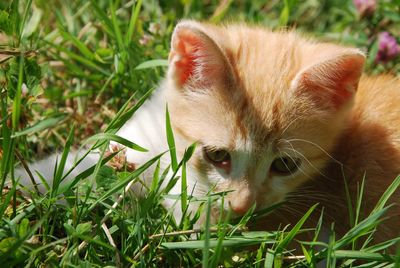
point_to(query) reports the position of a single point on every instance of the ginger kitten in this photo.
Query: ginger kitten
(273, 114)
(272, 111)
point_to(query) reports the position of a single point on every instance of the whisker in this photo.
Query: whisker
(316, 145)
(309, 162)
(290, 124)
(292, 211)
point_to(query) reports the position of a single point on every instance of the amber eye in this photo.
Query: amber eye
(285, 165)
(216, 157)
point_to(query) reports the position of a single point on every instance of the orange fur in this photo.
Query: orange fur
(260, 94)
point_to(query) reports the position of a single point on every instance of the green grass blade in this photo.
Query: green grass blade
(75, 69)
(124, 115)
(361, 255)
(116, 138)
(6, 201)
(184, 197)
(174, 179)
(348, 200)
(384, 245)
(189, 152)
(43, 181)
(132, 22)
(60, 168)
(16, 110)
(360, 194)
(269, 259)
(289, 237)
(156, 178)
(116, 28)
(387, 194)
(171, 141)
(107, 23)
(222, 233)
(41, 125)
(80, 59)
(152, 64)
(78, 44)
(24, 19)
(6, 144)
(228, 242)
(306, 254)
(361, 229)
(105, 85)
(330, 258)
(397, 263)
(32, 26)
(207, 235)
(162, 178)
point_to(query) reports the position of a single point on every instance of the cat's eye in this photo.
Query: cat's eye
(285, 165)
(217, 157)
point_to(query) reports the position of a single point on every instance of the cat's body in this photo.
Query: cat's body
(272, 112)
(370, 147)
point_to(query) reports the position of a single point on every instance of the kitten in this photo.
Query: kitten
(272, 112)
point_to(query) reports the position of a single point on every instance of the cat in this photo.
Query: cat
(275, 116)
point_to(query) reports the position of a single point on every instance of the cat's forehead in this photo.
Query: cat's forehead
(264, 65)
(260, 123)
(265, 56)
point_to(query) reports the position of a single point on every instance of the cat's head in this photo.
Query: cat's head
(265, 107)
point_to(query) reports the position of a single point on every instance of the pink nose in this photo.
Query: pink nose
(240, 203)
(242, 197)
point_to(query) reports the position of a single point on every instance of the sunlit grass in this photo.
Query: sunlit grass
(74, 74)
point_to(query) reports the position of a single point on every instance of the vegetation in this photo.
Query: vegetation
(70, 71)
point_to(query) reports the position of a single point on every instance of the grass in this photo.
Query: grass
(77, 72)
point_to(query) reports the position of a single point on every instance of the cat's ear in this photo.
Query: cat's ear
(334, 81)
(195, 60)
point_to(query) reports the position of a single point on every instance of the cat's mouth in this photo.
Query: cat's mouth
(231, 208)
(256, 203)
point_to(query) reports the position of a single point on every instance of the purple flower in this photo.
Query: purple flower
(388, 48)
(365, 7)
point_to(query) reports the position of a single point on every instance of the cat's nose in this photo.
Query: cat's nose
(240, 209)
(241, 201)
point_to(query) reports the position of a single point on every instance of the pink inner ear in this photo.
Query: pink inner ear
(348, 75)
(336, 80)
(186, 49)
